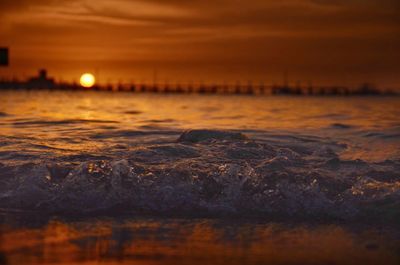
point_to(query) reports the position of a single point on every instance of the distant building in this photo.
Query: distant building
(41, 81)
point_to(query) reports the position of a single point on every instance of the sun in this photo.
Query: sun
(87, 80)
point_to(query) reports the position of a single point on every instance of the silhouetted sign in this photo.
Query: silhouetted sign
(4, 56)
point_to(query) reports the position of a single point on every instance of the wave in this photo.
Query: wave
(144, 131)
(3, 114)
(133, 112)
(382, 135)
(58, 122)
(209, 172)
(341, 126)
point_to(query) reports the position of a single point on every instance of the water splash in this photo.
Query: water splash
(215, 175)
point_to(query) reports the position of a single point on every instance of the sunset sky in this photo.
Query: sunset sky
(325, 42)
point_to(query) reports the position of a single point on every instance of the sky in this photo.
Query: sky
(338, 42)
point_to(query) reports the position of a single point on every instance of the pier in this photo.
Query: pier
(42, 81)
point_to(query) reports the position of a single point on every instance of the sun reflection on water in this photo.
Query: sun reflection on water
(192, 242)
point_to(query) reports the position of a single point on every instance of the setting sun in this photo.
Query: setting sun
(87, 80)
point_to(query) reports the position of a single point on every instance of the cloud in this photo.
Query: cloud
(289, 14)
(12, 5)
(304, 34)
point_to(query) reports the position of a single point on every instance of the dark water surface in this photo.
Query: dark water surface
(279, 163)
(192, 241)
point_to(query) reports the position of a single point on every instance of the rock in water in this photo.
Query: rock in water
(195, 136)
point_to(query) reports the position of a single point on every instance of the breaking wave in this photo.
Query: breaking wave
(210, 172)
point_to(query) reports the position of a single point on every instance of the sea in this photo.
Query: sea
(91, 177)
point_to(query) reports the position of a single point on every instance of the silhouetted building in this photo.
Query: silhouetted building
(41, 81)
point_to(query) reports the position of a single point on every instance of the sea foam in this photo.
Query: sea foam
(210, 172)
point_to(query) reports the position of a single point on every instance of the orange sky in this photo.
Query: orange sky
(326, 42)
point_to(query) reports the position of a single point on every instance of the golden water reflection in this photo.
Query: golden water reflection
(66, 123)
(176, 241)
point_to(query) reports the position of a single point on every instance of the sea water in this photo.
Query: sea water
(258, 158)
